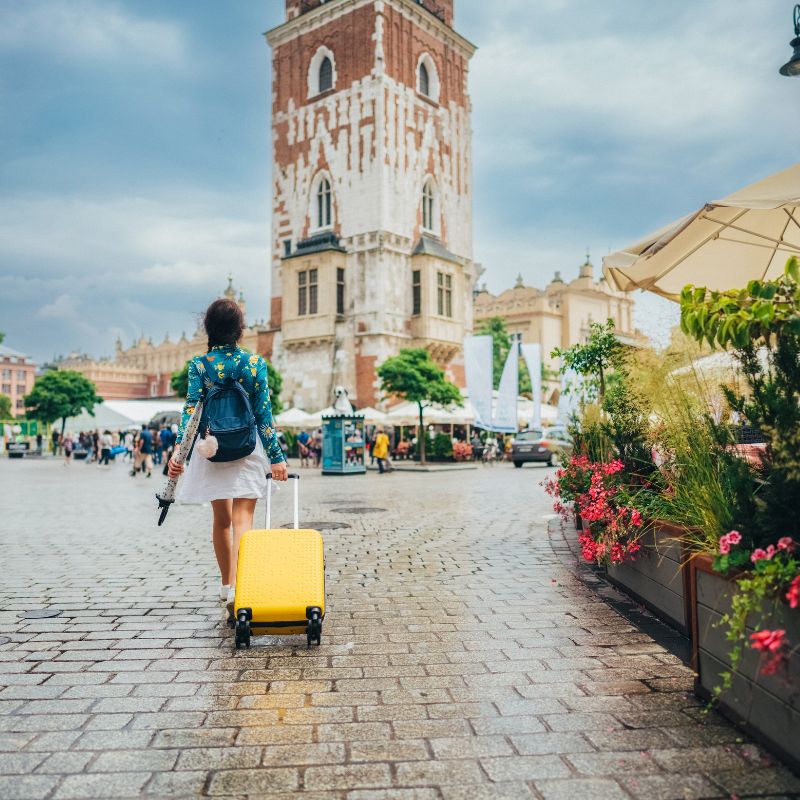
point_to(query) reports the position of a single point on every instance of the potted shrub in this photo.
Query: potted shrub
(747, 593)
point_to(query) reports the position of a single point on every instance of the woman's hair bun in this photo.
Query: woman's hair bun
(224, 323)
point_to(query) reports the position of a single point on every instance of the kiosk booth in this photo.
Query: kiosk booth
(343, 444)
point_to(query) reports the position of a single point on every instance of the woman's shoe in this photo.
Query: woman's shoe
(230, 601)
(223, 592)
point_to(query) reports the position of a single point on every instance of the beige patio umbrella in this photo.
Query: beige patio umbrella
(747, 235)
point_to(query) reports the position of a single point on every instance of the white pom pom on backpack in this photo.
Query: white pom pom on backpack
(207, 447)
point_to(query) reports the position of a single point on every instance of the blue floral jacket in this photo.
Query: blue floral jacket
(221, 363)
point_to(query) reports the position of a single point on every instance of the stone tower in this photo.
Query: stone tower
(371, 192)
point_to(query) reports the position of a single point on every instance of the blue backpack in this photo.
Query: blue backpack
(228, 415)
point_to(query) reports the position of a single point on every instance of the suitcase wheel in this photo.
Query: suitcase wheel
(242, 631)
(314, 631)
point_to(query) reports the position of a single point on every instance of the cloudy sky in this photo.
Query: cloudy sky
(134, 172)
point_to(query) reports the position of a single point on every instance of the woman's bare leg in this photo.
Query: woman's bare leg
(221, 536)
(243, 509)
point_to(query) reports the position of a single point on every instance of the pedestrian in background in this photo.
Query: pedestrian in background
(317, 447)
(67, 444)
(145, 450)
(157, 449)
(381, 450)
(129, 445)
(105, 449)
(165, 440)
(302, 447)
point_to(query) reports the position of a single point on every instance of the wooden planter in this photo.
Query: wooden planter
(766, 706)
(658, 577)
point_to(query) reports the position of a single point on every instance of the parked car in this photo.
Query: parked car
(549, 445)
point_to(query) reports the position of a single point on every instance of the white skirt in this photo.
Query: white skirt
(206, 480)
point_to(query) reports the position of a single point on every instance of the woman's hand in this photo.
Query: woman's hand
(280, 471)
(173, 469)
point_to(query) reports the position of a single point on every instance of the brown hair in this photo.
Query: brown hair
(224, 323)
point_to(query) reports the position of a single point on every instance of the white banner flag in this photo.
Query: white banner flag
(505, 410)
(533, 358)
(569, 402)
(478, 370)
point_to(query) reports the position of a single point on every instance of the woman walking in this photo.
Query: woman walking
(232, 487)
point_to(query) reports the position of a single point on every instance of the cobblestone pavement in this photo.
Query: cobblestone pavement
(462, 657)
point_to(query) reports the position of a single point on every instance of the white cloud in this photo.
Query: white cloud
(90, 30)
(81, 270)
(677, 85)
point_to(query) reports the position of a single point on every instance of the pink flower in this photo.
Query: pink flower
(734, 537)
(758, 555)
(786, 543)
(772, 644)
(768, 641)
(771, 551)
(636, 518)
(793, 595)
(724, 545)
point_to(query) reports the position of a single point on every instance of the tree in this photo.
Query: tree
(413, 375)
(601, 352)
(180, 381)
(180, 384)
(501, 344)
(5, 407)
(275, 381)
(61, 394)
(2, 337)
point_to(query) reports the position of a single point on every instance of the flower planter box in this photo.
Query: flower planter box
(657, 578)
(766, 706)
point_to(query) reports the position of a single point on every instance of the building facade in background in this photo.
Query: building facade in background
(559, 315)
(17, 374)
(371, 193)
(144, 370)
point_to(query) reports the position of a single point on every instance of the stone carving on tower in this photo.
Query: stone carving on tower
(371, 192)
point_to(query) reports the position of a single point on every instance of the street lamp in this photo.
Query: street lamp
(792, 66)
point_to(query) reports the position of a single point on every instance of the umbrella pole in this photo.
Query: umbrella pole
(167, 495)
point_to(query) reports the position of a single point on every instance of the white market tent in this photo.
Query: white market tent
(718, 365)
(371, 415)
(747, 235)
(118, 415)
(293, 418)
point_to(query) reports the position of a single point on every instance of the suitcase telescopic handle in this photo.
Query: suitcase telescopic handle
(295, 478)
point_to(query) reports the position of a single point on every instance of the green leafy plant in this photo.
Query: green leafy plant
(291, 443)
(179, 382)
(628, 429)
(414, 376)
(442, 446)
(601, 353)
(61, 394)
(5, 407)
(706, 488)
(762, 323)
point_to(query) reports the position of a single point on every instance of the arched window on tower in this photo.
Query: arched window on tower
(424, 80)
(428, 207)
(324, 203)
(325, 75)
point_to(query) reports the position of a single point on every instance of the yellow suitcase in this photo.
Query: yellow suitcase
(280, 581)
